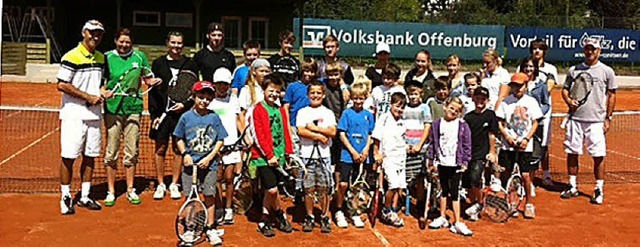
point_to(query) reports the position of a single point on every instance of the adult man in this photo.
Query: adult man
(79, 79)
(590, 122)
(331, 47)
(284, 63)
(214, 56)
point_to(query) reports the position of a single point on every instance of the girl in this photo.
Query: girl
(423, 73)
(450, 152)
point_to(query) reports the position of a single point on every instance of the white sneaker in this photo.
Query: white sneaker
(461, 228)
(174, 192)
(341, 221)
(438, 223)
(213, 237)
(495, 185)
(160, 191)
(357, 221)
(228, 216)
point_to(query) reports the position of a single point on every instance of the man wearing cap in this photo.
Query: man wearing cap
(518, 117)
(226, 105)
(79, 78)
(200, 136)
(374, 73)
(590, 121)
(214, 55)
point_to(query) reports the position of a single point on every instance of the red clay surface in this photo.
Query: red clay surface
(35, 220)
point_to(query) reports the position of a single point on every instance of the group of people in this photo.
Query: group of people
(335, 122)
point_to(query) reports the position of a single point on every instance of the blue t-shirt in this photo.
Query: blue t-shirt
(296, 97)
(200, 134)
(240, 76)
(357, 127)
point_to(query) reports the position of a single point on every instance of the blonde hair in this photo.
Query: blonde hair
(493, 54)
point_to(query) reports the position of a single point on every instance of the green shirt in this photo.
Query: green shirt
(129, 84)
(277, 132)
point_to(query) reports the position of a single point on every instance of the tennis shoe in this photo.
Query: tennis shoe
(283, 223)
(265, 229)
(214, 239)
(110, 200)
(325, 224)
(461, 228)
(133, 198)
(440, 222)
(357, 221)
(174, 192)
(228, 216)
(341, 221)
(66, 205)
(160, 191)
(89, 204)
(307, 224)
(529, 211)
(495, 185)
(569, 193)
(598, 196)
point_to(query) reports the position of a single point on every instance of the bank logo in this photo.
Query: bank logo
(312, 35)
(605, 44)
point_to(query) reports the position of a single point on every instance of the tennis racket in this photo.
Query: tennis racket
(179, 91)
(579, 91)
(191, 221)
(128, 83)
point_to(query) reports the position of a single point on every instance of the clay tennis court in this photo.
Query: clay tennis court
(29, 163)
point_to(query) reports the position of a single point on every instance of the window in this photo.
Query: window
(259, 30)
(146, 18)
(232, 31)
(178, 20)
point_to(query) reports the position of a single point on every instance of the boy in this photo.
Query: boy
(272, 143)
(519, 114)
(200, 136)
(381, 95)
(225, 104)
(316, 127)
(471, 82)
(283, 63)
(355, 126)
(390, 151)
(436, 104)
(417, 119)
(484, 129)
(251, 51)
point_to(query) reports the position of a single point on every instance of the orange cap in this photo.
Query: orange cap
(519, 78)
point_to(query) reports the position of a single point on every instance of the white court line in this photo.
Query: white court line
(29, 146)
(380, 237)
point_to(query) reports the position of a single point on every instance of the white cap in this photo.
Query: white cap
(222, 74)
(382, 47)
(592, 42)
(93, 25)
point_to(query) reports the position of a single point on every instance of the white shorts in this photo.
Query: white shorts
(395, 172)
(77, 135)
(591, 135)
(232, 158)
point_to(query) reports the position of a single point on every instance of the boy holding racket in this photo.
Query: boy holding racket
(591, 121)
(200, 136)
(355, 127)
(226, 105)
(316, 128)
(518, 116)
(272, 142)
(390, 151)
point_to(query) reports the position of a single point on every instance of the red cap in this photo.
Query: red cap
(519, 78)
(202, 85)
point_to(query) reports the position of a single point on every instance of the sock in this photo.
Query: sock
(573, 181)
(84, 194)
(547, 174)
(66, 190)
(600, 184)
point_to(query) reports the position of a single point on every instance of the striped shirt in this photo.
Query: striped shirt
(83, 70)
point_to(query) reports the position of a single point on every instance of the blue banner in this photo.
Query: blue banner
(359, 38)
(566, 44)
